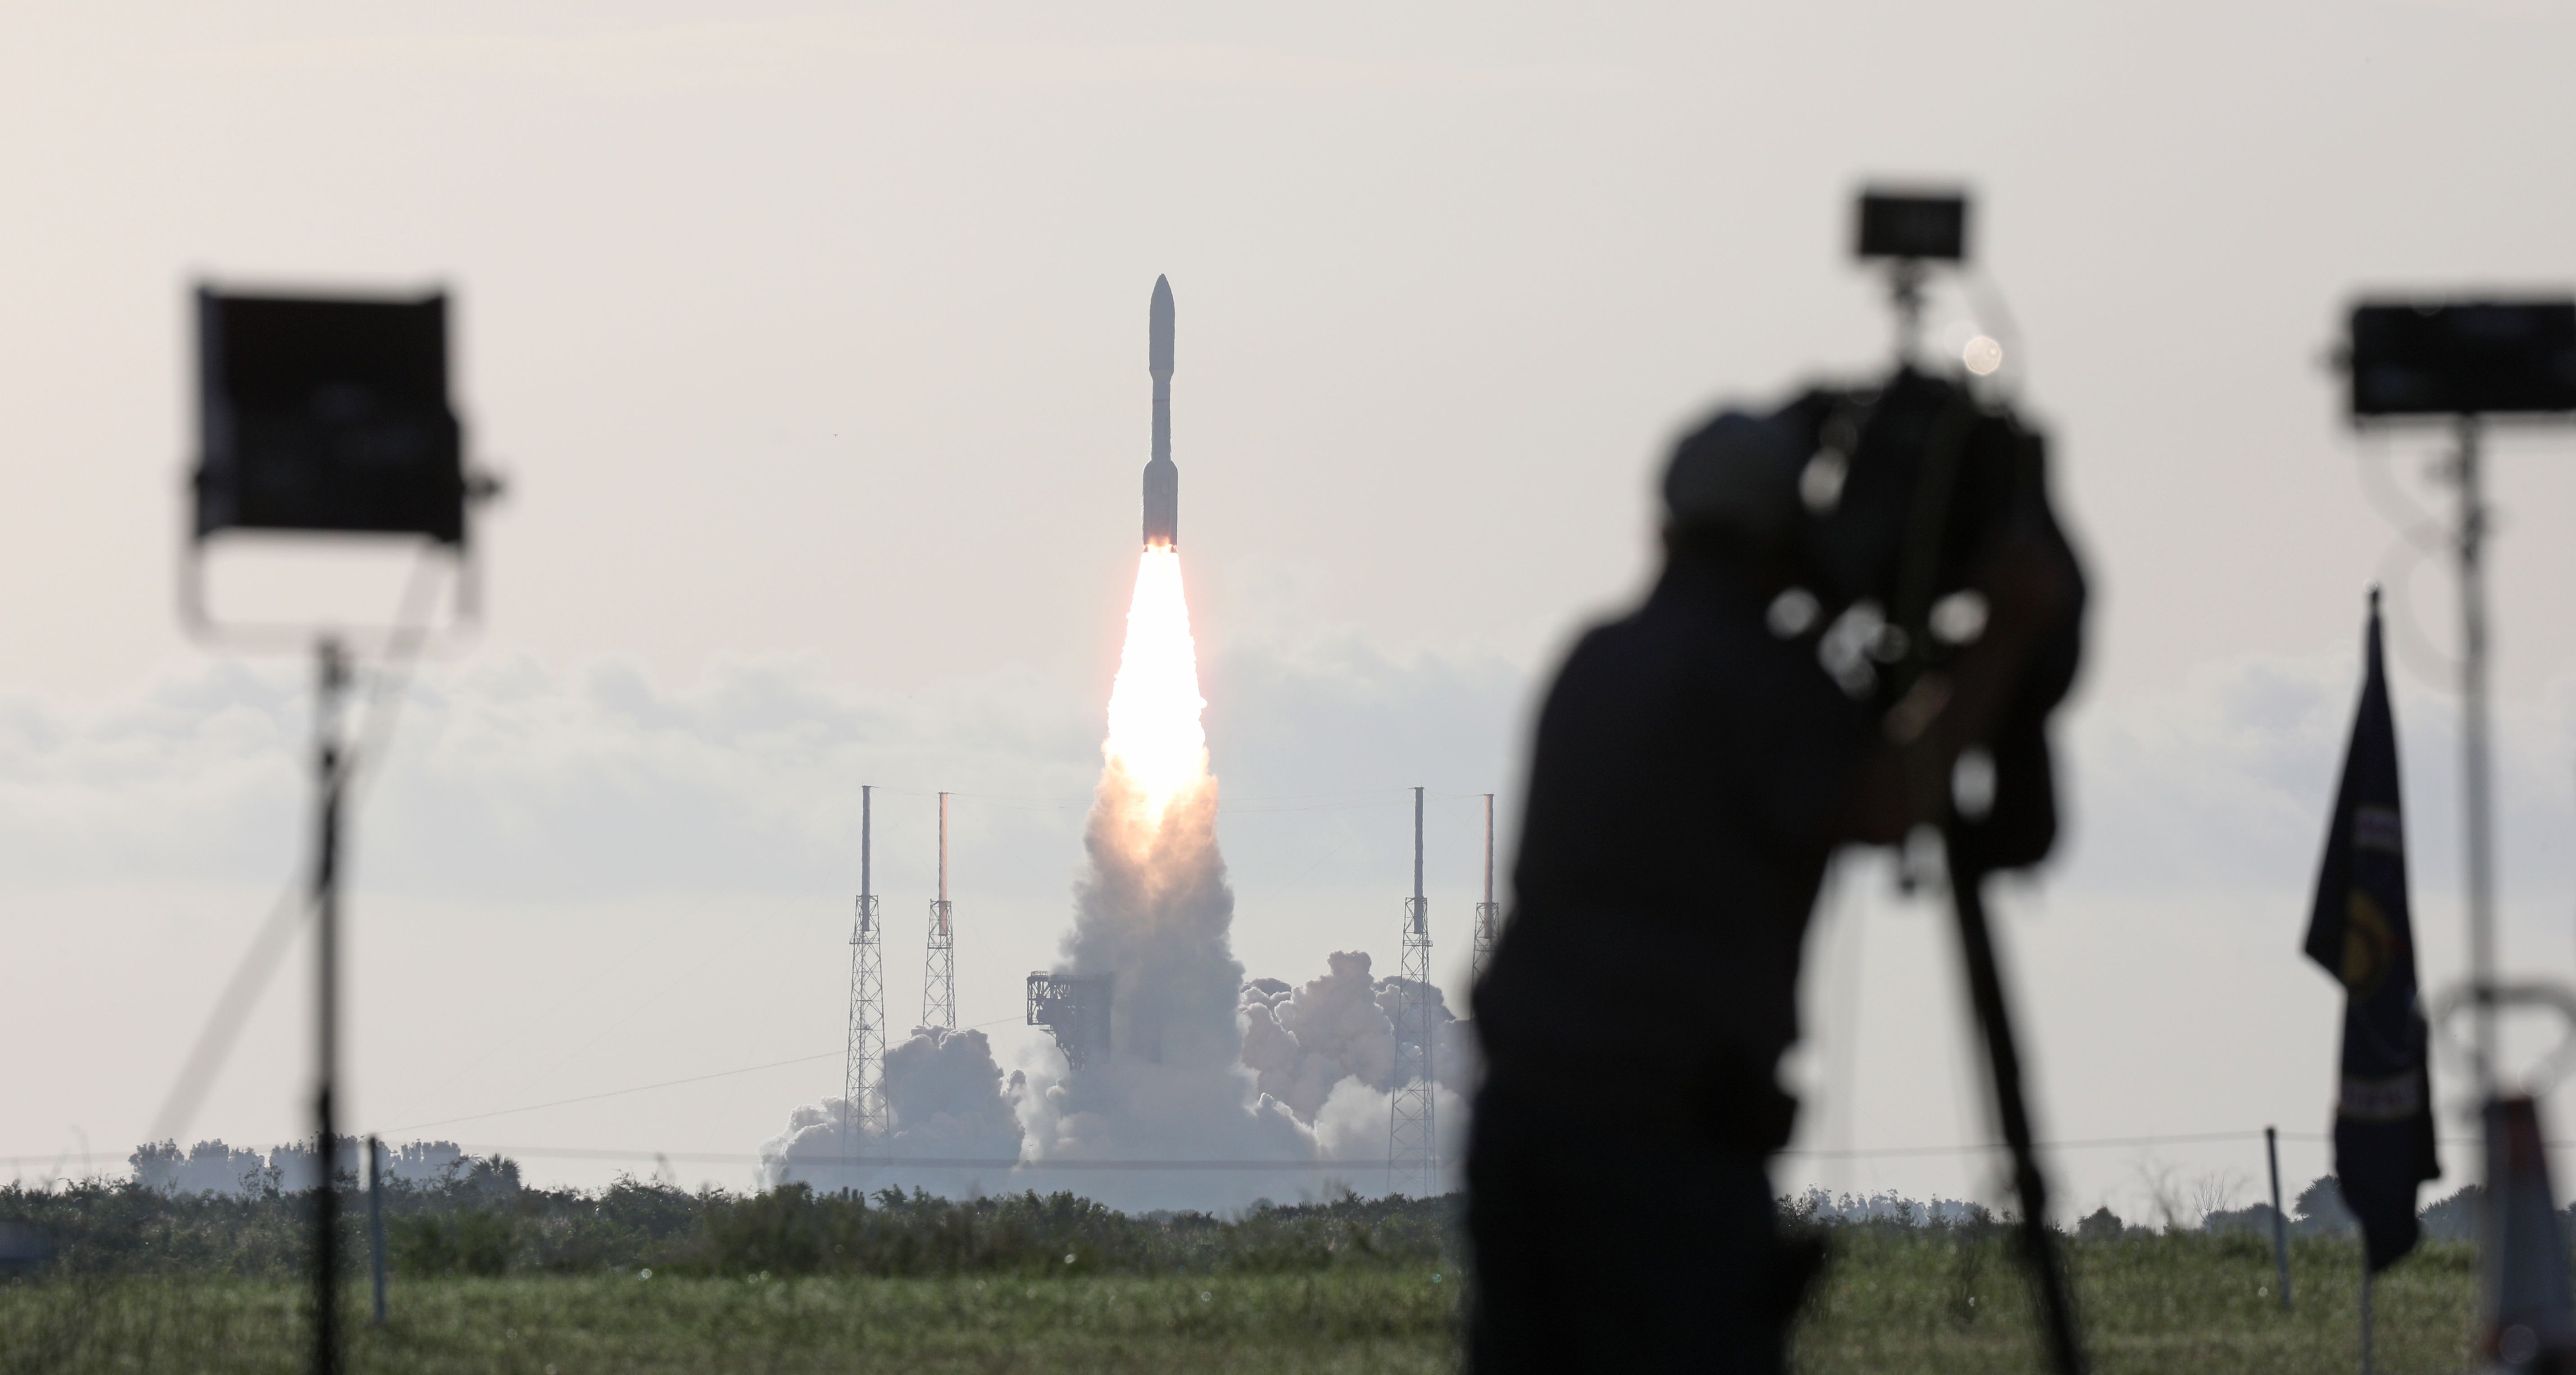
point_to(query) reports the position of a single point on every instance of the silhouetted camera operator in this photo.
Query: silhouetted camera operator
(1696, 764)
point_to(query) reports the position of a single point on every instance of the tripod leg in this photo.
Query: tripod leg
(2039, 1242)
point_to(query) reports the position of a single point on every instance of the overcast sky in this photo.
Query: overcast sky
(811, 342)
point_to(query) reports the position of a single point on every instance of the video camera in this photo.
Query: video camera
(1912, 482)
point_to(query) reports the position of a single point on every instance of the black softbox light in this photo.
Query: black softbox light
(2463, 358)
(327, 414)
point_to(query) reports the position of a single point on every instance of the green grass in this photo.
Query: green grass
(1897, 1302)
(1351, 1320)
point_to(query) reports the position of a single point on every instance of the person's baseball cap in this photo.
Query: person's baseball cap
(1737, 473)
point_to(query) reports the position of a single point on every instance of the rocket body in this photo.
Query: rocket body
(1162, 479)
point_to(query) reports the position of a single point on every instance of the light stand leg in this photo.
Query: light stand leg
(2039, 1241)
(2475, 770)
(333, 680)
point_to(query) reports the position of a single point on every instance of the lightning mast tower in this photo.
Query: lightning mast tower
(863, 1107)
(939, 972)
(1413, 1147)
(1488, 916)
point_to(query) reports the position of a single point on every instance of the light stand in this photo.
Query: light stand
(2476, 767)
(2464, 362)
(327, 415)
(331, 684)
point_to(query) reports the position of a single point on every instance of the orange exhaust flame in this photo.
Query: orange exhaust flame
(1155, 740)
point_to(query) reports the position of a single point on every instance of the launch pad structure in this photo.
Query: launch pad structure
(939, 960)
(1413, 1143)
(863, 1105)
(1075, 1008)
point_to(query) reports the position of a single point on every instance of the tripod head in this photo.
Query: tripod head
(1910, 231)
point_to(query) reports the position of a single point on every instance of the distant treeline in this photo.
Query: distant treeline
(2317, 1210)
(480, 1220)
(213, 1167)
(474, 1216)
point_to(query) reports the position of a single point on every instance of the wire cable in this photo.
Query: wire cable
(986, 1162)
(2420, 535)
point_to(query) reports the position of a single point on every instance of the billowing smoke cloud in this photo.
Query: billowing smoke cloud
(1205, 1064)
(1301, 1042)
(1153, 914)
(946, 1099)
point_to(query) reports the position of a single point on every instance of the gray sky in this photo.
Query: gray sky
(811, 339)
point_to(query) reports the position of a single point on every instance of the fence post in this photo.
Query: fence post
(376, 1218)
(2280, 1220)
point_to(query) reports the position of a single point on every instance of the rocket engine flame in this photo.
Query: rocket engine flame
(1155, 738)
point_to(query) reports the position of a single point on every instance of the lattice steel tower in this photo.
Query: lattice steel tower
(863, 1106)
(939, 963)
(1488, 916)
(1413, 1145)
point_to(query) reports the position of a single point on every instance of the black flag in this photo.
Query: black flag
(2360, 931)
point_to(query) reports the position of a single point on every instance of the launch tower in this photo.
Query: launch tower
(863, 1107)
(1413, 1146)
(939, 962)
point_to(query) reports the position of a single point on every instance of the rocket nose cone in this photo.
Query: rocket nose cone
(1159, 328)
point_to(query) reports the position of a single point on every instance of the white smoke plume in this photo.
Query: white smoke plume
(1153, 913)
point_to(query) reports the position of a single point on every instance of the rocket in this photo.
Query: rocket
(1162, 480)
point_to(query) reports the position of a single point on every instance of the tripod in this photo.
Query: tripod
(2039, 1241)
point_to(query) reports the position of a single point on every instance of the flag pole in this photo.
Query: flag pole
(2360, 930)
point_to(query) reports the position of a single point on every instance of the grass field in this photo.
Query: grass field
(1354, 1321)
(1899, 1304)
(1895, 1302)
